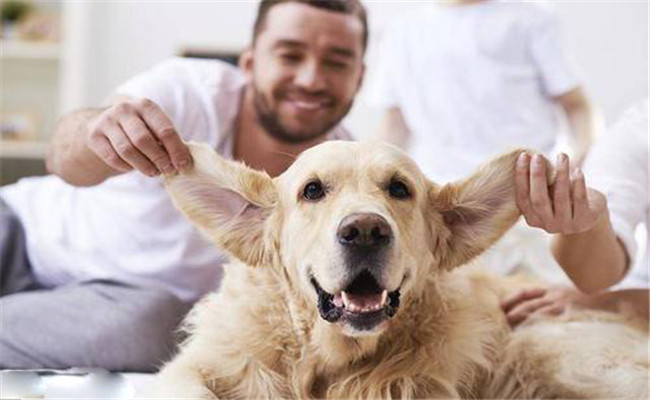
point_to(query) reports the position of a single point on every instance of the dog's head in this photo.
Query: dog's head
(356, 226)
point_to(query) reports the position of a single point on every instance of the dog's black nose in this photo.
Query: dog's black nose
(364, 230)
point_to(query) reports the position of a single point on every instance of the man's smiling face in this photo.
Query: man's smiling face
(305, 68)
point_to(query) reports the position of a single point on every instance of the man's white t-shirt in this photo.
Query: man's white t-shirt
(618, 167)
(473, 81)
(126, 228)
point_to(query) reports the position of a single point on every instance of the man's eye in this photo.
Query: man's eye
(290, 57)
(314, 191)
(399, 190)
(336, 64)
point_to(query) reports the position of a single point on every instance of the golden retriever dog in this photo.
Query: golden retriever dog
(347, 282)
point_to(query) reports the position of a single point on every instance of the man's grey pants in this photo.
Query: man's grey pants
(96, 323)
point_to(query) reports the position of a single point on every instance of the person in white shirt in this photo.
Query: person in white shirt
(460, 81)
(97, 265)
(594, 225)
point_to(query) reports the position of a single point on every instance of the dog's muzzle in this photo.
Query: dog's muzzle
(363, 303)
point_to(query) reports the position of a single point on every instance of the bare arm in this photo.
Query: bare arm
(69, 156)
(91, 145)
(634, 300)
(393, 128)
(554, 300)
(594, 259)
(581, 119)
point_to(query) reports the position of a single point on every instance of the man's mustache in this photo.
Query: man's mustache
(321, 96)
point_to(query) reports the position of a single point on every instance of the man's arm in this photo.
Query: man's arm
(582, 120)
(90, 146)
(393, 128)
(68, 155)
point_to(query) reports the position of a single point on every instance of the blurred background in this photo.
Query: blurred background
(58, 56)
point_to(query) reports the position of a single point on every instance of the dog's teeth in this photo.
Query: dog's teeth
(346, 300)
(337, 300)
(362, 306)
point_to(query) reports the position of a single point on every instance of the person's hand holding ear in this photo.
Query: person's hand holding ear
(565, 206)
(137, 134)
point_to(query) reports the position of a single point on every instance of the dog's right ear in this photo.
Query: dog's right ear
(229, 202)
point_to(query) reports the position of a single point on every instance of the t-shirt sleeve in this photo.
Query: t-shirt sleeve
(618, 167)
(165, 84)
(555, 69)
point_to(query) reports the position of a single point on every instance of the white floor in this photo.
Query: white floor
(141, 383)
(73, 384)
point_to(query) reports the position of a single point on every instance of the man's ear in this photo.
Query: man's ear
(474, 212)
(229, 202)
(245, 62)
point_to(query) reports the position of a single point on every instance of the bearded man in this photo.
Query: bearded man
(98, 268)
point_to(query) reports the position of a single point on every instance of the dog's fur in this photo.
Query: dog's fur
(261, 336)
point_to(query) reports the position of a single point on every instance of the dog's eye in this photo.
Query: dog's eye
(399, 190)
(313, 191)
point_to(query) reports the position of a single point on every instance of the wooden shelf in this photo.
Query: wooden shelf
(22, 149)
(25, 50)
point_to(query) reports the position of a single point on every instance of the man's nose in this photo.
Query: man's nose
(364, 231)
(309, 76)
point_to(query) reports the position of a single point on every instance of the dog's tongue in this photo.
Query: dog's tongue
(360, 302)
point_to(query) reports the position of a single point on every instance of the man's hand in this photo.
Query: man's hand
(137, 134)
(567, 206)
(539, 301)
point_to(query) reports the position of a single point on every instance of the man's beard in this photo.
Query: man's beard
(270, 122)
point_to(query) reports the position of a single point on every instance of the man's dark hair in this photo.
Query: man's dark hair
(350, 7)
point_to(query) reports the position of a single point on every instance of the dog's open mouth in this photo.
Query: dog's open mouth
(363, 303)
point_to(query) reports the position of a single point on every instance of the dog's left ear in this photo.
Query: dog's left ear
(229, 202)
(474, 212)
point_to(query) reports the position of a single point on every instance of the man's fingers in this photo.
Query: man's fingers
(166, 134)
(561, 192)
(523, 295)
(539, 190)
(177, 149)
(100, 145)
(127, 151)
(140, 135)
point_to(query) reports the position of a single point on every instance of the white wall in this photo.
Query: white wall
(608, 41)
(126, 37)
